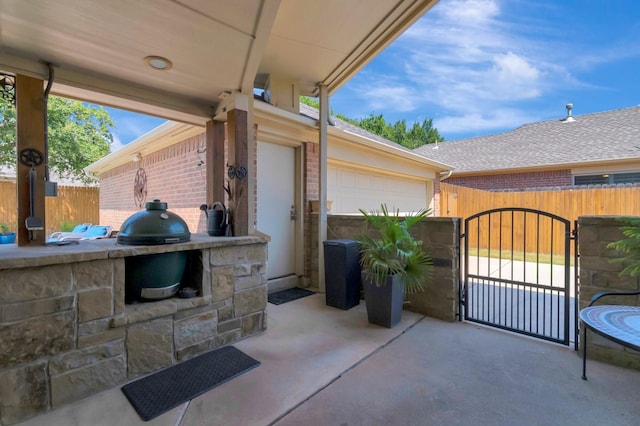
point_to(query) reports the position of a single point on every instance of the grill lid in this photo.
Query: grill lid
(153, 226)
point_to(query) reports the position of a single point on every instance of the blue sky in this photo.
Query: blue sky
(479, 67)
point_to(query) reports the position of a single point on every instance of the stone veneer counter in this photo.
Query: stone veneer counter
(12, 256)
(66, 331)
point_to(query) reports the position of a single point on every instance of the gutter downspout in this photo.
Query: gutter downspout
(448, 175)
(50, 188)
(322, 181)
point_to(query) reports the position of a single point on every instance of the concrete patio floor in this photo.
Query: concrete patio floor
(325, 366)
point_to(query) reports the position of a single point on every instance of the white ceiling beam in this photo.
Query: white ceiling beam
(264, 24)
(104, 91)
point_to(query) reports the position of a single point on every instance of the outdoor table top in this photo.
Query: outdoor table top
(620, 323)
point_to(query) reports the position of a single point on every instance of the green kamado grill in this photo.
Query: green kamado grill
(154, 276)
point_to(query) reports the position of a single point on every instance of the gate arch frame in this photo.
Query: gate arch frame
(569, 313)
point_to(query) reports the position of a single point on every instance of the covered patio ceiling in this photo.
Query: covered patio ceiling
(98, 48)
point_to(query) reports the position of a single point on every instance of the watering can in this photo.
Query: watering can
(216, 219)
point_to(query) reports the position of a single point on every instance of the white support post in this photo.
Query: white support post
(322, 178)
(252, 147)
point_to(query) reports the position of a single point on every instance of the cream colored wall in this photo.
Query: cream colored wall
(606, 168)
(365, 173)
(362, 173)
(354, 188)
(348, 153)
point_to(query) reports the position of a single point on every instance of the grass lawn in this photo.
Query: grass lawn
(520, 255)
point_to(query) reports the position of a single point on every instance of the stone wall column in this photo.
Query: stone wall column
(598, 274)
(441, 240)
(440, 237)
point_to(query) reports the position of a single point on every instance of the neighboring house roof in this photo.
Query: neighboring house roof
(611, 136)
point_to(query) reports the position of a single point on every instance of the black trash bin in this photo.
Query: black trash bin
(342, 273)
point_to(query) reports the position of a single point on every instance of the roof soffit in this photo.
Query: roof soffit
(97, 47)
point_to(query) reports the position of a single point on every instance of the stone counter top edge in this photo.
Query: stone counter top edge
(14, 257)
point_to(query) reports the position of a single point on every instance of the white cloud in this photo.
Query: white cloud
(116, 144)
(396, 96)
(130, 126)
(484, 121)
(514, 75)
(484, 66)
(470, 61)
(471, 11)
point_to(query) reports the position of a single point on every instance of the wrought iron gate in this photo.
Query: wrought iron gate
(517, 273)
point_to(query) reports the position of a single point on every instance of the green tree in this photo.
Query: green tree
(376, 124)
(629, 247)
(312, 102)
(79, 134)
(399, 132)
(347, 119)
(419, 134)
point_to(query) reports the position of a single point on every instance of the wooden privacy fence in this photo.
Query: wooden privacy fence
(72, 206)
(459, 201)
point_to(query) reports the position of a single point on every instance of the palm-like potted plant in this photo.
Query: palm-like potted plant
(393, 263)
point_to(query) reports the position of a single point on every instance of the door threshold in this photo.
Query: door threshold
(282, 283)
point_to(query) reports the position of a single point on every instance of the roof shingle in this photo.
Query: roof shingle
(605, 136)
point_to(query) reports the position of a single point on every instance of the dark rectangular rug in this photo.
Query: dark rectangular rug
(288, 295)
(166, 389)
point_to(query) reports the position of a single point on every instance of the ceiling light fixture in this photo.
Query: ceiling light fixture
(158, 63)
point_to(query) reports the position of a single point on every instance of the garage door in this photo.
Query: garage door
(351, 189)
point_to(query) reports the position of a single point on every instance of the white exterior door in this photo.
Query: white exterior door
(276, 203)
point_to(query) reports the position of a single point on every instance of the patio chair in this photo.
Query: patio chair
(91, 233)
(618, 323)
(76, 234)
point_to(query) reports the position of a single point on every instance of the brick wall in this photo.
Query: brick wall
(312, 193)
(175, 175)
(515, 181)
(436, 196)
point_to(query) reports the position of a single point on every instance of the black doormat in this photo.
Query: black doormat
(288, 295)
(166, 389)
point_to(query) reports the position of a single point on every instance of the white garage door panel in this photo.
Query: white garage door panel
(351, 190)
(346, 179)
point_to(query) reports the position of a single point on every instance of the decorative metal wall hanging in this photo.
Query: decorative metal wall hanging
(140, 188)
(239, 172)
(8, 87)
(31, 157)
(201, 151)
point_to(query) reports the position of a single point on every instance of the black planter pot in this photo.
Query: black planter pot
(384, 303)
